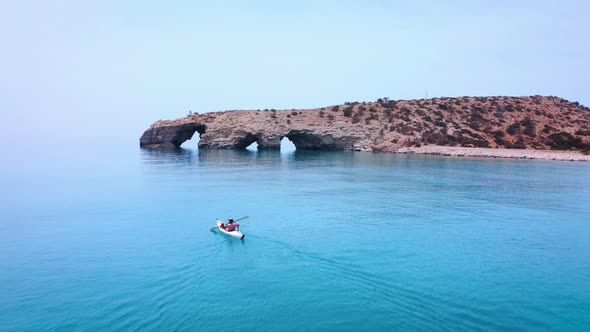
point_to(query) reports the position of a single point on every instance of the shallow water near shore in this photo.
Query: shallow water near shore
(111, 239)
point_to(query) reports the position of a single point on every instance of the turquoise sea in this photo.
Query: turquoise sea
(103, 237)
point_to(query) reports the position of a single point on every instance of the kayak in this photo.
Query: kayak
(237, 234)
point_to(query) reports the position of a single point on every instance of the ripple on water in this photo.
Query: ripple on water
(335, 241)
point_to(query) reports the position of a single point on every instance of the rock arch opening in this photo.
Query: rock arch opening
(305, 140)
(245, 141)
(287, 145)
(253, 147)
(201, 128)
(188, 134)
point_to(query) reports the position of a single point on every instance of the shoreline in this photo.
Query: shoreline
(453, 151)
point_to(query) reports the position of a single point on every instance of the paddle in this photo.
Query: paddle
(244, 217)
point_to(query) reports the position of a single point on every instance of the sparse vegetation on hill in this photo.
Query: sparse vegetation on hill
(542, 123)
(505, 122)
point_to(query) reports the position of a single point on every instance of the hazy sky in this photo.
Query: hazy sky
(113, 67)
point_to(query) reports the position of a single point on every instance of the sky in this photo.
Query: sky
(111, 68)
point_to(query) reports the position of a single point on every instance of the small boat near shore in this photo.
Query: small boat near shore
(236, 234)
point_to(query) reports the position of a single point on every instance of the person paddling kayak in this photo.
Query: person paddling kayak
(231, 226)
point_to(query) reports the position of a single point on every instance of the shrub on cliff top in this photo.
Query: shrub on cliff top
(347, 111)
(440, 123)
(356, 118)
(547, 129)
(335, 108)
(476, 117)
(474, 125)
(437, 138)
(529, 127)
(470, 142)
(498, 134)
(500, 141)
(513, 128)
(565, 141)
(370, 117)
(444, 106)
(519, 144)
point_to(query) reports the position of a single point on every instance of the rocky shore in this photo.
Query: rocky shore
(496, 153)
(503, 127)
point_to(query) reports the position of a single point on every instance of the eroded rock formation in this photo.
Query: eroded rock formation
(385, 125)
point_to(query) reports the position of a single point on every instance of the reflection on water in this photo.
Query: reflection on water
(167, 156)
(186, 156)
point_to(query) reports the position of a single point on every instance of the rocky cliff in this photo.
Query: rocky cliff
(386, 125)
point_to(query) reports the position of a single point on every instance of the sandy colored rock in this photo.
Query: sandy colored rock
(531, 123)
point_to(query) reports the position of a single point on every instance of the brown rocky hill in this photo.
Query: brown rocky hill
(386, 125)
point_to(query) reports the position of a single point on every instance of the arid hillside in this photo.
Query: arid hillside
(508, 122)
(387, 125)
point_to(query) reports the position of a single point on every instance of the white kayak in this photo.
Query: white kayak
(237, 234)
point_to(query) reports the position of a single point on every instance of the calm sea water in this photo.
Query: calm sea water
(113, 239)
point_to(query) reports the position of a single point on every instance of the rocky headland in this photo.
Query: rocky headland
(487, 123)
